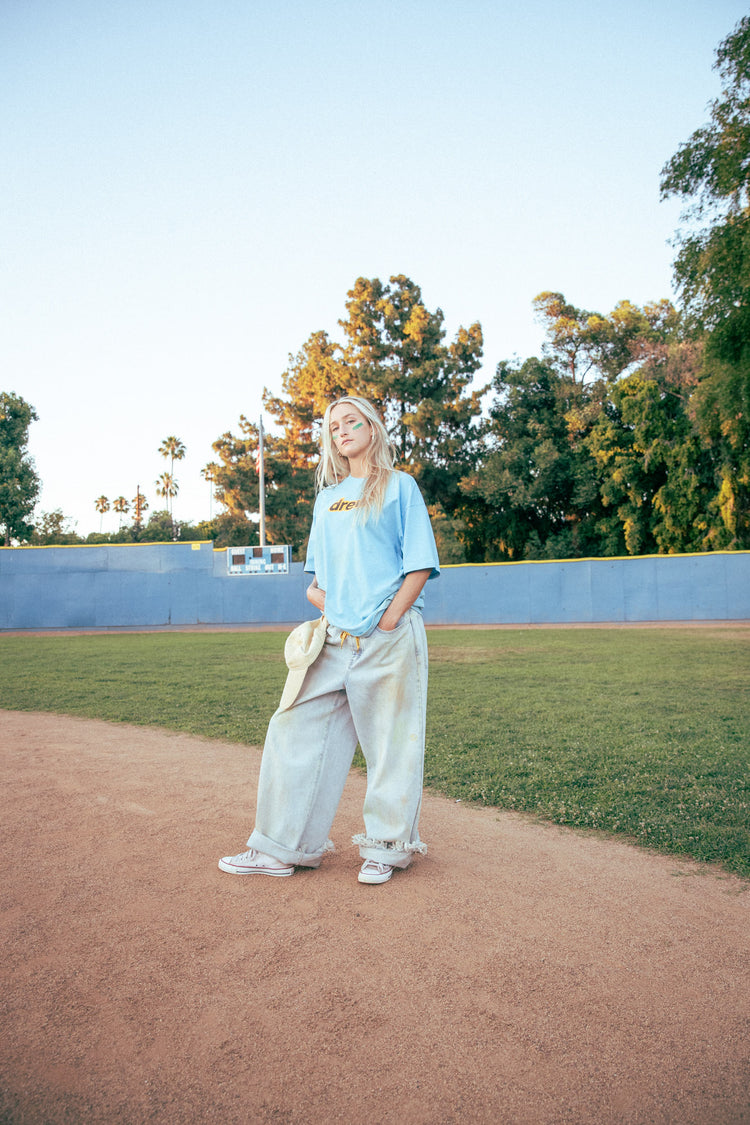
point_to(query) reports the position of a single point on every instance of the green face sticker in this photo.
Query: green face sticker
(358, 425)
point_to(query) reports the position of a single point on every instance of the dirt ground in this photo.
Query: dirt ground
(519, 973)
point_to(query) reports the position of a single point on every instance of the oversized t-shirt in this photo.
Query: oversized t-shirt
(361, 566)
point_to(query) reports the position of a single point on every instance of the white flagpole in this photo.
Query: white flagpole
(261, 485)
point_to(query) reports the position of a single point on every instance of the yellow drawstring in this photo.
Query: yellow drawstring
(345, 635)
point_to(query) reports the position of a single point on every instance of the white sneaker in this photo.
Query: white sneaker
(254, 863)
(374, 872)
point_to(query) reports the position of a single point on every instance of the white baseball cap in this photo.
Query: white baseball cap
(302, 647)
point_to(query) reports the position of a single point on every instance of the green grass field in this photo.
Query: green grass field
(641, 732)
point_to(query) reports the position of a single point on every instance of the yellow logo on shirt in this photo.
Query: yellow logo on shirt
(343, 505)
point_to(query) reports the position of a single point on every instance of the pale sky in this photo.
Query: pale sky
(190, 187)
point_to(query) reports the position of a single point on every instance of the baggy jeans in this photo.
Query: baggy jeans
(371, 690)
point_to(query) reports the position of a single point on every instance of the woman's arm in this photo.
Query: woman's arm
(404, 598)
(316, 595)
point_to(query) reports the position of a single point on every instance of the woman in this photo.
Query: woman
(371, 551)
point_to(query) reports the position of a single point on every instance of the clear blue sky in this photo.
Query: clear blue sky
(190, 187)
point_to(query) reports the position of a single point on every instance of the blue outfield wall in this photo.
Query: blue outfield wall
(146, 585)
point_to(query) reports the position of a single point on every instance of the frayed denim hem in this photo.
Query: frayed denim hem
(398, 853)
(299, 858)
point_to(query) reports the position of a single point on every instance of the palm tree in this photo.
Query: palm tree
(173, 449)
(121, 506)
(168, 487)
(102, 506)
(208, 472)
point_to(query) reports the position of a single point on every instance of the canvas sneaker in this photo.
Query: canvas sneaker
(254, 863)
(374, 872)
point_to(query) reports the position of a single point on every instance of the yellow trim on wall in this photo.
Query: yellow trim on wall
(195, 544)
(594, 558)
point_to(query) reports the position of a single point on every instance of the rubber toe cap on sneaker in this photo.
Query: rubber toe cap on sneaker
(373, 872)
(253, 865)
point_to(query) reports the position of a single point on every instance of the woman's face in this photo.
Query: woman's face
(350, 431)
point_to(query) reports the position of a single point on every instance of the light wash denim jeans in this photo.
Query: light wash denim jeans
(371, 690)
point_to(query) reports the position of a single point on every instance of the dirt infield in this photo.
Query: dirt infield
(519, 973)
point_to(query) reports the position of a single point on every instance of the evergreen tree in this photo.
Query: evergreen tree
(394, 353)
(534, 494)
(19, 483)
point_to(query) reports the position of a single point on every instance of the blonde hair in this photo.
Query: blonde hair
(379, 458)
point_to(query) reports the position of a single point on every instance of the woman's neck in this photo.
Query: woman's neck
(358, 467)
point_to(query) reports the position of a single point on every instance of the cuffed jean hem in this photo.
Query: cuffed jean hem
(398, 853)
(299, 858)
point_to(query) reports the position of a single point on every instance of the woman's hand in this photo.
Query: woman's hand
(389, 620)
(316, 595)
(404, 599)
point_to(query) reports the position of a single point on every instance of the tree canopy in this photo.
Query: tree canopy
(603, 464)
(395, 354)
(19, 483)
(711, 171)
(603, 446)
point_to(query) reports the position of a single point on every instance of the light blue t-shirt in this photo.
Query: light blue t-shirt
(361, 566)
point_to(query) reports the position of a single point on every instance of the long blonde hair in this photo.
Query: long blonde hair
(379, 458)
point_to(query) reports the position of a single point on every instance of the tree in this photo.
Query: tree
(722, 411)
(317, 375)
(102, 506)
(394, 353)
(534, 494)
(174, 450)
(160, 527)
(289, 483)
(208, 472)
(586, 345)
(168, 488)
(566, 327)
(19, 483)
(594, 450)
(225, 530)
(53, 528)
(448, 536)
(398, 358)
(711, 171)
(121, 506)
(655, 473)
